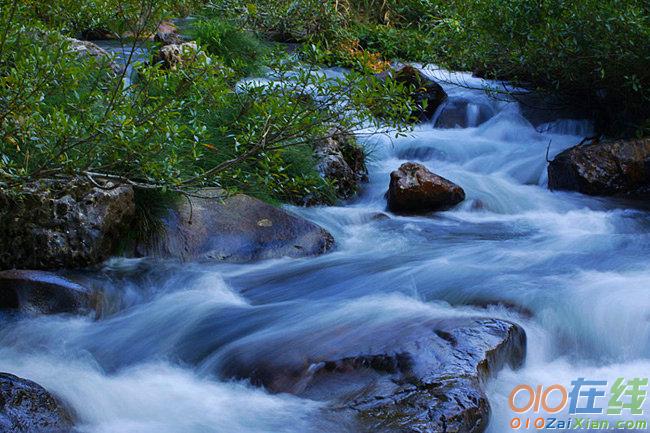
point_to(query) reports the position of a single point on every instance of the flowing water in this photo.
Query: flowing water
(575, 268)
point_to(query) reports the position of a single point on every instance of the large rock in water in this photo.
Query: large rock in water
(605, 168)
(89, 49)
(62, 224)
(342, 161)
(428, 94)
(427, 377)
(235, 229)
(413, 188)
(43, 292)
(26, 407)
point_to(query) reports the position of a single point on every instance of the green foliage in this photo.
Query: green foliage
(593, 52)
(233, 47)
(348, 54)
(400, 14)
(66, 113)
(118, 17)
(395, 44)
(361, 35)
(283, 20)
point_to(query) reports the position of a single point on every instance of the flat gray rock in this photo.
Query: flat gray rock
(236, 229)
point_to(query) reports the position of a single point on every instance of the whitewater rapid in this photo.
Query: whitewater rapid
(575, 268)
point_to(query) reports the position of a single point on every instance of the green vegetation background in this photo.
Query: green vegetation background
(63, 114)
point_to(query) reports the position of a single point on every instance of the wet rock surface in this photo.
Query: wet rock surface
(235, 229)
(26, 407)
(425, 378)
(462, 113)
(342, 161)
(62, 224)
(428, 94)
(620, 168)
(175, 55)
(87, 48)
(414, 189)
(43, 292)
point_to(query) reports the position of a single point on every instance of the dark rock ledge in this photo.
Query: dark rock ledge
(428, 377)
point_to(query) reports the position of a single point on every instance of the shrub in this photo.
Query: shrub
(395, 44)
(65, 115)
(235, 48)
(592, 52)
(119, 17)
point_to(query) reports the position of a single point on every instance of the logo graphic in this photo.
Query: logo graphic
(591, 404)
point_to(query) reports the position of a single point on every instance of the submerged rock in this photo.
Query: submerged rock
(26, 407)
(413, 188)
(43, 292)
(607, 168)
(428, 377)
(342, 161)
(62, 224)
(236, 229)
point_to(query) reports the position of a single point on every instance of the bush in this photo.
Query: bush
(64, 114)
(414, 14)
(119, 17)
(347, 53)
(235, 48)
(593, 52)
(395, 44)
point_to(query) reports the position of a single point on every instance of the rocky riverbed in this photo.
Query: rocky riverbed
(415, 306)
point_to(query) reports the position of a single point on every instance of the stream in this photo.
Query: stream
(571, 269)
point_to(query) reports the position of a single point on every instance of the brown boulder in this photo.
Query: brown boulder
(175, 55)
(62, 224)
(607, 168)
(428, 95)
(413, 188)
(167, 34)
